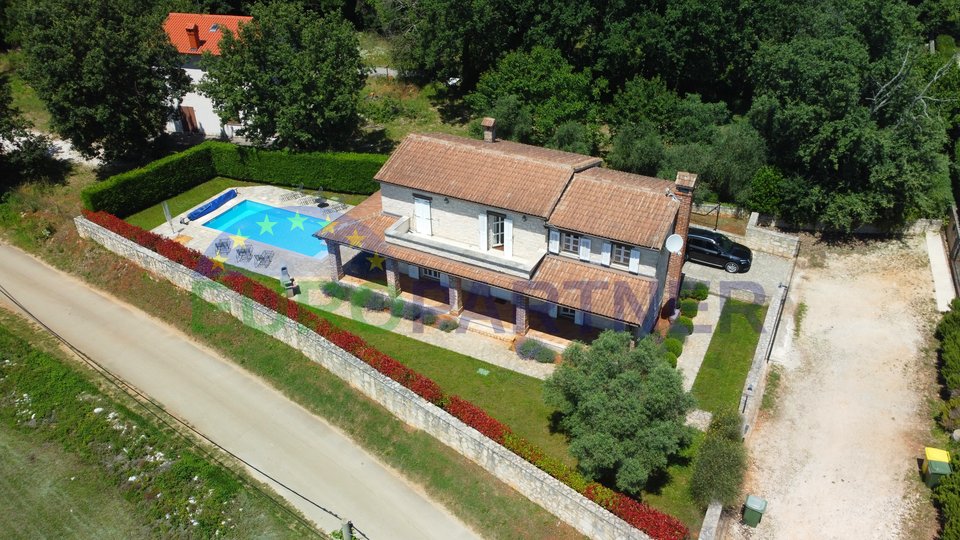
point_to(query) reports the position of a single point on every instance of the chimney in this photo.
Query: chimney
(193, 34)
(489, 129)
(683, 190)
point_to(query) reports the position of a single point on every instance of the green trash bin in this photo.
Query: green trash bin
(936, 470)
(753, 510)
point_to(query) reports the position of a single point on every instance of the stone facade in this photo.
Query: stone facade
(565, 503)
(455, 294)
(521, 322)
(335, 261)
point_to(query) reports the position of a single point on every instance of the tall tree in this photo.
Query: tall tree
(293, 80)
(105, 70)
(546, 86)
(24, 155)
(623, 408)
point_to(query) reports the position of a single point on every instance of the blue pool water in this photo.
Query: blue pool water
(275, 226)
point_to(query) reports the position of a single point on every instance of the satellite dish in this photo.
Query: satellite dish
(674, 243)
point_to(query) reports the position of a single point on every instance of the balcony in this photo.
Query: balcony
(400, 234)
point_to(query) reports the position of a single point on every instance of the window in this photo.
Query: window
(430, 273)
(215, 28)
(620, 254)
(495, 229)
(570, 242)
(564, 312)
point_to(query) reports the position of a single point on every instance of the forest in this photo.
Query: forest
(838, 112)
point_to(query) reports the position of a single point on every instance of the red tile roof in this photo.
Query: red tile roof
(177, 24)
(503, 174)
(594, 289)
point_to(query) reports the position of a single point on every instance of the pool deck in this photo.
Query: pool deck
(301, 266)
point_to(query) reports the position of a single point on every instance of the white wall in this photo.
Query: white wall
(457, 221)
(207, 119)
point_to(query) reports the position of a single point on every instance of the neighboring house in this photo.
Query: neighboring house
(193, 34)
(551, 232)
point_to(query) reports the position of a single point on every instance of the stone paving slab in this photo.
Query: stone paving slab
(697, 343)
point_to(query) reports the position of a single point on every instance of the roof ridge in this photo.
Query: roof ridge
(501, 153)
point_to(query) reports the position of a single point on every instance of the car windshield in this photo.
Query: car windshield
(724, 243)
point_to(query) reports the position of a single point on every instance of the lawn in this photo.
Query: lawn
(24, 97)
(375, 50)
(70, 470)
(673, 496)
(153, 216)
(49, 493)
(724, 370)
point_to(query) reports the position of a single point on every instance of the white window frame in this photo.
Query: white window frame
(430, 273)
(570, 243)
(497, 229)
(620, 254)
(564, 312)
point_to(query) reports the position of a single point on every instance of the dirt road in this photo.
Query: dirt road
(231, 407)
(837, 457)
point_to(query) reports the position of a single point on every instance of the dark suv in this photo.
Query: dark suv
(715, 249)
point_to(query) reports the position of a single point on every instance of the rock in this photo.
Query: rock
(956, 435)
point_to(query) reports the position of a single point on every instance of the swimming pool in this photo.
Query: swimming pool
(275, 226)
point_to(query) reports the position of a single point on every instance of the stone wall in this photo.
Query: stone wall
(557, 498)
(770, 241)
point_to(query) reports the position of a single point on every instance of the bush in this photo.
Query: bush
(686, 323)
(428, 318)
(360, 296)
(532, 349)
(947, 498)
(132, 191)
(411, 311)
(449, 325)
(334, 289)
(678, 332)
(396, 307)
(670, 358)
(699, 291)
(725, 423)
(376, 302)
(689, 307)
(721, 462)
(673, 346)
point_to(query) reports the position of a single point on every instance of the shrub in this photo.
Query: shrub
(947, 498)
(360, 296)
(686, 323)
(689, 307)
(699, 291)
(476, 418)
(532, 349)
(334, 289)
(670, 358)
(429, 318)
(396, 307)
(449, 325)
(725, 423)
(678, 332)
(718, 471)
(673, 346)
(411, 311)
(132, 191)
(376, 302)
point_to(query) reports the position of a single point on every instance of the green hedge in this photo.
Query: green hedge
(343, 172)
(132, 191)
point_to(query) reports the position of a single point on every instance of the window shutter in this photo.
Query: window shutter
(413, 271)
(482, 220)
(554, 241)
(508, 237)
(444, 280)
(553, 310)
(635, 260)
(605, 255)
(578, 317)
(584, 248)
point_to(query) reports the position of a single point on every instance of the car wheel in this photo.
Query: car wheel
(732, 267)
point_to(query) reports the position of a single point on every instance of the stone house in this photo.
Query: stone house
(561, 245)
(192, 34)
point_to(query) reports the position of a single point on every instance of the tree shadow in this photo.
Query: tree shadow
(371, 140)
(49, 171)
(449, 102)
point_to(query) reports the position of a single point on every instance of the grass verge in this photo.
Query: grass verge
(720, 380)
(772, 389)
(146, 477)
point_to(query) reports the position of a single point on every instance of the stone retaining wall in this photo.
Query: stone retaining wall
(541, 488)
(770, 241)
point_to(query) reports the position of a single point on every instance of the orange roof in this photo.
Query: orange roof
(502, 174)
(621, 206)
(178, 25)
(591, 288)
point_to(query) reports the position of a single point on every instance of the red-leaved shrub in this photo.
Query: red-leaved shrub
(476, 418)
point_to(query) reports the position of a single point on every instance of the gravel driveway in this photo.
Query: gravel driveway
(836, 459)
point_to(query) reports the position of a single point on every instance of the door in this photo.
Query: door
(188, 120)
(421, 215)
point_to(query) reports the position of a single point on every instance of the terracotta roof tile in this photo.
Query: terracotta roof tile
(620, 206)
(177, 24)
(502, 174)
(590, 288)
